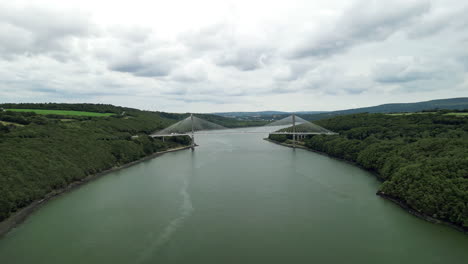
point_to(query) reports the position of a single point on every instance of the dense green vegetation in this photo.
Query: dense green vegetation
(60, 112)
(96, 108)
(45, 153)
(422, 159)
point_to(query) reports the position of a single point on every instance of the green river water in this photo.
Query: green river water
(235, 199)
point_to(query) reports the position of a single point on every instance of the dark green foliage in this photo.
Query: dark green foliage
(18, 118)
(48, 154)
(98, 108)
(422, 158)
(4, 129)
(279, 138)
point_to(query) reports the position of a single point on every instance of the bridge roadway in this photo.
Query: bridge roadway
(243, 132)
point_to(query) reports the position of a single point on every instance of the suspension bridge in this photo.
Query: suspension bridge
(192, 125)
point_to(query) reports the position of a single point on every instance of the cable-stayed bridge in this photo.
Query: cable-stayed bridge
(192, 125)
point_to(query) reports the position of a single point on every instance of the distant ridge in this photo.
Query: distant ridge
(262, 115)
(450, 104)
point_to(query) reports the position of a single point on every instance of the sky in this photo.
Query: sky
(217, 56)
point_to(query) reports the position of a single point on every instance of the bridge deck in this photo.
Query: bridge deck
(243, 132)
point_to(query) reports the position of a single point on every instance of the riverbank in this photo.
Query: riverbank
(412, 211)
(286, 144)
(397, 201)
(21, 215)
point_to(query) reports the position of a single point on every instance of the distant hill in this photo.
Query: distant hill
(450, 104)
(242, 114)
(262, 115)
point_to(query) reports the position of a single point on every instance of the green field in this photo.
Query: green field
(415, 113)
(420, 113)
(60, 112)
(457, 114)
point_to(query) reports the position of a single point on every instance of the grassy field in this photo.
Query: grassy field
(457, 114)
(417, 113)
(420, 113)
(60, 112)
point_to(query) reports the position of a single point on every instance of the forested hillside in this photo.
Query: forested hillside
(421, 158)
(41, 153)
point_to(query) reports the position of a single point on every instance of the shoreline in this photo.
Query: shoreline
(397, 201)
(328, 155)
(414, 212)
(22, 214)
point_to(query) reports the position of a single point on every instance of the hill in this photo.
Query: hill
(450, 104)
(262, 115)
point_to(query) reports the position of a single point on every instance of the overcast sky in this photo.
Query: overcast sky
(212, 55)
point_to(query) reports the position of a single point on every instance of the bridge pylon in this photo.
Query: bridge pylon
(294, 129)
(193, 132)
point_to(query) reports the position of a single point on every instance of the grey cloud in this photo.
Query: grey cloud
(188, 78)
(142, 69)
(419, 74)
(464, 61)
(430, 25)
(292, 70)
(223, 44)
(34, 30)
(209, 38)
(403, 77)
(242, 59)
(149, 59)
(366, 21)
(329, 80)
(131, 33)
(200, 99)
(194, 71)
(438, 20)
(403, 71)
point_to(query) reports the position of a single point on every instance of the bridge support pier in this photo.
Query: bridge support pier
(294, 130)
(193, 134)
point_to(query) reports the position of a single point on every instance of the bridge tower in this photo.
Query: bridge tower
(193, 133)
(294, 130)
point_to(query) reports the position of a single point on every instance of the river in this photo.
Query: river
(235, 199)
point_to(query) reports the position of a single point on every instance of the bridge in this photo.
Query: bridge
(192, 125)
